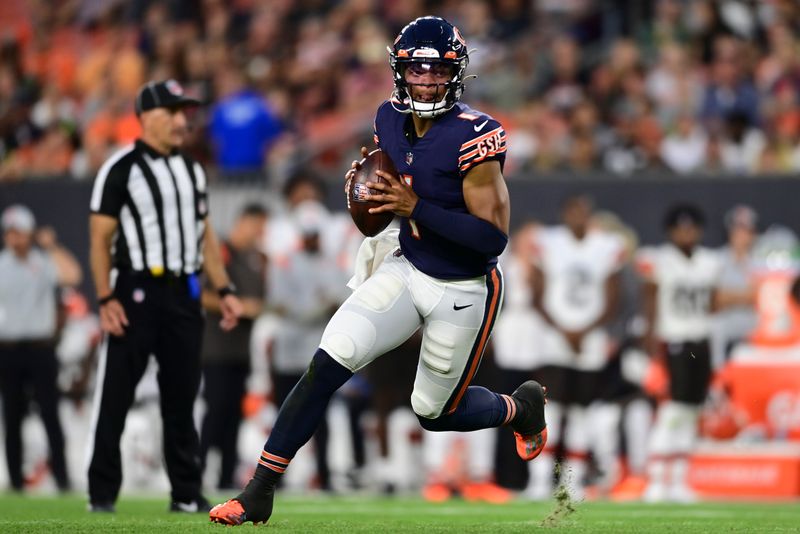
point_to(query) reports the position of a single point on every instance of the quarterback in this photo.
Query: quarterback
(442, 277)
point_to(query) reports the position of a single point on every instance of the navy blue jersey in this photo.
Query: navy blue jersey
(435, 166)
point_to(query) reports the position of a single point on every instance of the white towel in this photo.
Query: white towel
(371, 254)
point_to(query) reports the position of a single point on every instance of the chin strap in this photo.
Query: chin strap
(409, 107)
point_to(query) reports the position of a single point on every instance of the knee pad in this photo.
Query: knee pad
(348, 338)
(424, 406)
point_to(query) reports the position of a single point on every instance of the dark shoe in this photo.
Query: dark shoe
(102, 507)
(253, 504)
(530, 428)
(190, 507)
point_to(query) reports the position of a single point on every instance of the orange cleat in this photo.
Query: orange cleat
(231, 513)
(630, 488)
(436, 492)
(485, 492)
(530, 446)
(530, 430)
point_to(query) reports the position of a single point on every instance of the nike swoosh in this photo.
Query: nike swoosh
(456, 308)
(479, 128)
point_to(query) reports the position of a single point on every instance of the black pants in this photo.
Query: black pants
(223, 390)
(165, 320)
(282, 385)
(689, 366)
(27, 366)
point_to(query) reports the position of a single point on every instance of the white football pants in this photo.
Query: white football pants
(456, 317)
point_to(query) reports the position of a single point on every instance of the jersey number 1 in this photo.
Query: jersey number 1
(409, 180)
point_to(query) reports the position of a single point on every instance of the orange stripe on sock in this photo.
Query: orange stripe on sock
(508, 409)
(484, 337)
(275, 458)
(512, 408)
(272, 466)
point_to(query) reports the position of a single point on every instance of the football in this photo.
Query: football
(369, 224)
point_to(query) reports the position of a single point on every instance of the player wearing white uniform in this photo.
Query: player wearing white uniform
(576, 289)
(518, 334)
(680, 279)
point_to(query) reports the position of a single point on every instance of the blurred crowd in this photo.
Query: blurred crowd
(689, 86)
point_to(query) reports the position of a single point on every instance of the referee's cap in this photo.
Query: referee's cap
(18, 217)
(163, 94)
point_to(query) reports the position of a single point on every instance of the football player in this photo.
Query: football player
(576, 291)
(453, 206)
(680, 285)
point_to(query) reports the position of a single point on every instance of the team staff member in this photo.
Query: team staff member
(150, 235)
(226, 355)
(29, 279)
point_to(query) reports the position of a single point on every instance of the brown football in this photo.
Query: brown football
(369, 224)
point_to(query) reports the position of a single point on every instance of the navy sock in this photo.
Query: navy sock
(300, 415)
(479, 408)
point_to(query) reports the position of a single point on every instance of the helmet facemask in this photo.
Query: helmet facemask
(451, 89)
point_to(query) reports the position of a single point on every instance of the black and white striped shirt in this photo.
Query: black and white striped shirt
(161, 204)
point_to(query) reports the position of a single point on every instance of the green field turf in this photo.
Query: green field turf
(373, 515)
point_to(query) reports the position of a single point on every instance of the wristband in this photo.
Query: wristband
(105, 300)
(223, 292)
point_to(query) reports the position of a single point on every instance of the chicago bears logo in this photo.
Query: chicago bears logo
(459, 36)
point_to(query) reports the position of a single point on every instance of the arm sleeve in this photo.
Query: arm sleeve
(485, 141)
(462, 228)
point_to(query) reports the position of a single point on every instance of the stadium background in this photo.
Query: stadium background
(639, 104)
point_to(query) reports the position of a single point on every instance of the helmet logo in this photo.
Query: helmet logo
(402, 53)
(459, 36)
(426, 52)
(450, 55)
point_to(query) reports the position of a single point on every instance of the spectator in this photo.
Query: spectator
(729, 91)
(741, 145)
(684, 149)
(242, 126)
(29, 278)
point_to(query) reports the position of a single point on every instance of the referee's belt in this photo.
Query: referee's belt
(160, 273)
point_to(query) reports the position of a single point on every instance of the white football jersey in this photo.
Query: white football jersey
(575, 272)
(685, 289)
(517, 336)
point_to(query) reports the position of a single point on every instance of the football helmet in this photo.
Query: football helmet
(428, 41)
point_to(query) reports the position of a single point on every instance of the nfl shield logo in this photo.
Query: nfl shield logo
(174, 87)
(409, 158)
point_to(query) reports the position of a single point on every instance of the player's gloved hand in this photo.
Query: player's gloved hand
(113, 318)
(396, 196)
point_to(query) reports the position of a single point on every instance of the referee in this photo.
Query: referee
(150, 236)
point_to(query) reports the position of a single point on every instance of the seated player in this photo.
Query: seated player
(453, 206)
